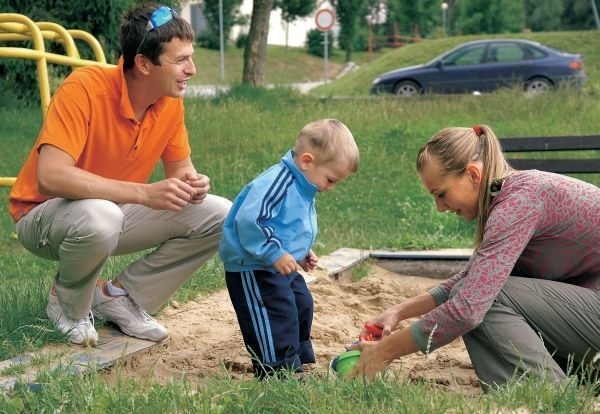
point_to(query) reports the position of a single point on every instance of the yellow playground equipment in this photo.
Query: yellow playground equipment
(19, 28)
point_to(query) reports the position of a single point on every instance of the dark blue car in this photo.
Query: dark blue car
(486, 65)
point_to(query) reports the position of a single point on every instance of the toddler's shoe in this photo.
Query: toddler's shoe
(127, 315)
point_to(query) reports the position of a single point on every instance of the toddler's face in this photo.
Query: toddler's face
(326, 175)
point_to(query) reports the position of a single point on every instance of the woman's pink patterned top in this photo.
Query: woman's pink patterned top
(542, 225)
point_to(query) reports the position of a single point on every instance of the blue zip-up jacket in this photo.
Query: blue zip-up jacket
(272, 215)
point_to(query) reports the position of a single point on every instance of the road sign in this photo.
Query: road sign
(325, 18)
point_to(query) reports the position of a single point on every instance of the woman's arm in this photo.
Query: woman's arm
(389, 319)
(396, 342)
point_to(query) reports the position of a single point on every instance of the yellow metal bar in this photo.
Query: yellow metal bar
(7, 181)
(19, 32)
(9, 26)
(17, 52)
(38, 44)
(93, 43)
(17, 27)
(65, 37)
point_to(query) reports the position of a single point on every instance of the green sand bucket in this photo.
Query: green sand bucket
(344, 362)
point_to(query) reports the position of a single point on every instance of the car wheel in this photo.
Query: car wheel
(407, 88)
(537, 85)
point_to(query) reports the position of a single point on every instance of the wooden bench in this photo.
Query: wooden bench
(561, 164)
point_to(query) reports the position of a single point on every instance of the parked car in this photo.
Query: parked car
(486, 65)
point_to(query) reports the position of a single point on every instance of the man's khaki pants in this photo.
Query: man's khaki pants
(82, 234)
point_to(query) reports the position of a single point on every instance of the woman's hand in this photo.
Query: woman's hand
(387, 321)
(371, 362)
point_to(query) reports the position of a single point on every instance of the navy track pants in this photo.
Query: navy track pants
(275, 314)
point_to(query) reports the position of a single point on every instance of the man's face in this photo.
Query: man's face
(175, 69)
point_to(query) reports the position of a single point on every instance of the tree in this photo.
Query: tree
(349, 13)
(256, 47)
(292, 10)
(421, 15)
(579, 15)
(211, 37)
(491, 16)
(544, 15)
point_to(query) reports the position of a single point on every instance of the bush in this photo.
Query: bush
(241, 41)
(314, 43)
(360, 42)
(209, 40)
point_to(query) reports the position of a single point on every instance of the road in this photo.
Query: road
(210, 91)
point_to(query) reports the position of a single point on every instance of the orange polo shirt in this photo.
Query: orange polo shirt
(90, 117)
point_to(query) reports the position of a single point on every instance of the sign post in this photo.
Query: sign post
(325, 18)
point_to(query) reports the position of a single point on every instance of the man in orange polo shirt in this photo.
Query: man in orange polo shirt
(83, 193)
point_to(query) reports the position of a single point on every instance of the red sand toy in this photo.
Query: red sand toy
(374, 333)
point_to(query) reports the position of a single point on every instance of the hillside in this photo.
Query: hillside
(283, 66)
(357, 83)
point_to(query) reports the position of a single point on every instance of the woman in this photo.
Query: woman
(529, 298)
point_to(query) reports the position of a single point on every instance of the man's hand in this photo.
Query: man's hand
(170, 194)
(200, 183)
(286, 264)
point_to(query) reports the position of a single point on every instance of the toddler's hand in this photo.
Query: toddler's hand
(286, 264)
(310, 261)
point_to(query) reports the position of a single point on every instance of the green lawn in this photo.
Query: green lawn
(236, 136)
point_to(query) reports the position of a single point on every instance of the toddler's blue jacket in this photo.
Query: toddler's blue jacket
(272, 215)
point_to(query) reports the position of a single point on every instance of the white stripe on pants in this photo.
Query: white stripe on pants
(83, 234)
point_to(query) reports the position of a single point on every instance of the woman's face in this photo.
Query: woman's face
(458, 194)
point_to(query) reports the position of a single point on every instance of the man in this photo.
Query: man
(83, 193)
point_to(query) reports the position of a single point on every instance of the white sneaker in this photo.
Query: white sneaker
(132, 319)
(80, 331)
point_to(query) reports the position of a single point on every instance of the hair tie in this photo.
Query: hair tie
(496, 187)
(477, 130)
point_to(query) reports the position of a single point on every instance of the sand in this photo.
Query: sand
(205, 339)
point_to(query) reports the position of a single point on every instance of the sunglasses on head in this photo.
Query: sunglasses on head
(159, 17)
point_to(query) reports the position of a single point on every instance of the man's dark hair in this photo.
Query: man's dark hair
(134, 38)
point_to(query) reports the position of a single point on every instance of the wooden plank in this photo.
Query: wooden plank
(112, 346)
(429, 263)
(342, 259)
(439, 269)
(441, 254)
(557, 165)
(556, 143)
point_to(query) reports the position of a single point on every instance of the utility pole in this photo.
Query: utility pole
(595, 11)
(221, 40)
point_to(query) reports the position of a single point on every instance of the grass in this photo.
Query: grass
(233, 138)
(57, 392)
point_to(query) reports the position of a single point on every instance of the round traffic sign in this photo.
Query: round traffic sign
(325, 18)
